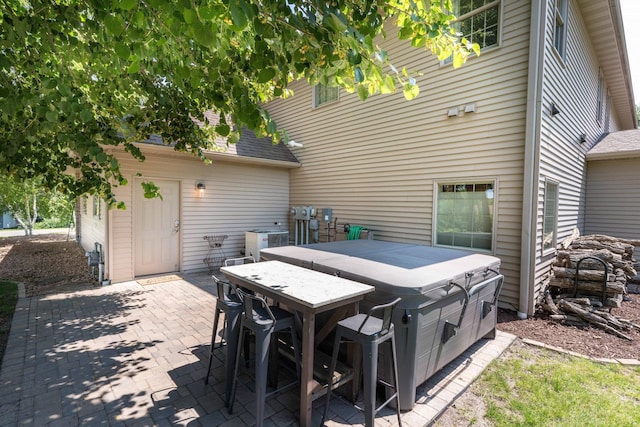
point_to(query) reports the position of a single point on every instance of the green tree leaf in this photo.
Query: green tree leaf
(86, 116)
(128, 4)
(223, 129)
(52, 116)
(265, 75)
(189, 16)
(363, 92)
(237, 14)
(122, 50)
(203, 34)
(80, 76)
(151, 190)
(410, 91)
(114, 24)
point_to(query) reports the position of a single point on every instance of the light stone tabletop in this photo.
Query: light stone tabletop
(310, 288)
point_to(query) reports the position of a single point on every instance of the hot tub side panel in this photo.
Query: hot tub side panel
(425, 343)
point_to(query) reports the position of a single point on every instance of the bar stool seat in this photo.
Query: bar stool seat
(370, 332)
(230, 304)
(264, 321)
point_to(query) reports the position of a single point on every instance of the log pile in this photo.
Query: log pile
(588, 278)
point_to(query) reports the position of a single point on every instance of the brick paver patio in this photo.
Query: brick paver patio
(133, 355)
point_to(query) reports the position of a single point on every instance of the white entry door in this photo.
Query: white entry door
(156, 229)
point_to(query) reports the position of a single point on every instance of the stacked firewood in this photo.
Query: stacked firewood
(603, 264)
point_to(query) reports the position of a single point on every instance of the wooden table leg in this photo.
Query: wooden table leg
(306, 386)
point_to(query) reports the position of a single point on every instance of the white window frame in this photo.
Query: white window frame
(459, 19)
(491, 194)
(607, 114)
(560, 9)
(318, 102)
(600, 100)
(553, 216)
(97, 207)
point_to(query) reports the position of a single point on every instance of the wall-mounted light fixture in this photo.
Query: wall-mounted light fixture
(488, 193)
(554, 109)
(461, 110)
(293, 144)
(582, 138)
(201, 186)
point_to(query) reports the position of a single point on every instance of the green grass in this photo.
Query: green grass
(543, 388)
(8, 299)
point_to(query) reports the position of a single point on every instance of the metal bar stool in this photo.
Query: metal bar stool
(230, 304)
(369, 332)
(263, 320)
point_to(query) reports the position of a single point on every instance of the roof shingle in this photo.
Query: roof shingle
(249, 146)
(622, 144)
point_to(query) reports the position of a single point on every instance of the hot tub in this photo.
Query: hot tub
(448, 296)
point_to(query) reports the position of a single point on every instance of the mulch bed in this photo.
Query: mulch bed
(586, 340)
(47, 263)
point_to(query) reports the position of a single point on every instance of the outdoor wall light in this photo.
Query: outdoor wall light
(470, 108)
(201, 186)
(293, 144)
(583, 138)
(554, 109)
(489, 193)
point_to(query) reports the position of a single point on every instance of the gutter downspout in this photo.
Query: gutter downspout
(107, 249)
(531, 171)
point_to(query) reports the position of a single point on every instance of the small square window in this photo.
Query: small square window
(560, 28)
(323, 94)
(550, 225)
(97, 207)
(600, 105)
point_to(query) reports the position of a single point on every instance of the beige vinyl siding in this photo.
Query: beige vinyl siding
(573, 86)
(93, 227)
(239, 197)
(613, 198)
(121, 235)
(376, 162)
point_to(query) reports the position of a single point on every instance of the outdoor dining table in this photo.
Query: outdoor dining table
(308, 292)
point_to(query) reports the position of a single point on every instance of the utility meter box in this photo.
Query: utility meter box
(327, 214)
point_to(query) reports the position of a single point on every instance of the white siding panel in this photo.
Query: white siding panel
(613, 198)
(121, 238)
(375, 162)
